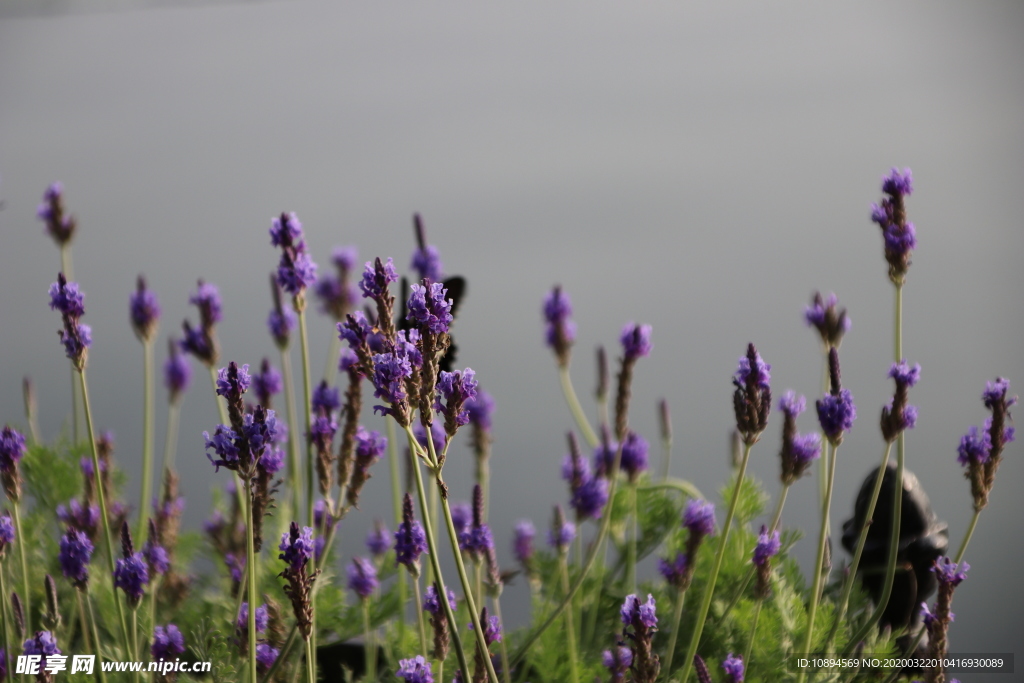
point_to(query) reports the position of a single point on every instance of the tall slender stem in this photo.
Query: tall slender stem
(95, 633)
(753, 633)
(333, 351)
(574, 406)
(84, 621)
(103, 504)
(967, 537)
(820, 556)
(250, 567)
(171, 438)
(435, 561)
(677, 616)
(3, 616)
(135, 640)
(570, 629)
(396, 507)
(666, 456)
(631, 549)
(506, 670)
(25, 582)
(851, 575)
(147, 435)
(709, 590)
(419, 615)
(293, 431)
(307, 404)
(310, 662)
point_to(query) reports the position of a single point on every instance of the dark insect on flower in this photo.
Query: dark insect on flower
(59, 224)
(752, 399)
(830, 321)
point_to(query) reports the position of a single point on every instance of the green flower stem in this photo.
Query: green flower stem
(574, 406)
(680, 485)
(103, 511)
(3, 618)
(135, 640)
(709, 590)
(474, 613)
(666, 456)
(369, 644)
(753, 632)
(967, 537)
(894, 540)
(83, 621)
(333, 353)
(250, 568)
(307, 403)
(677, 616)
(588, 629)
(823, 462)
(310, 662)
(570, 628)
(95, 633)
(435, 561)
(418, 607)
(631, 548)
(820, 556)
(293, 431)
(396, 505)
(147, 435)
(25, 582)
(506, 671)
(171, 438)
(851, 575)
(595, 549)
(898, 325)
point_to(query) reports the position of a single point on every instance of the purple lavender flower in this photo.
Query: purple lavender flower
(905, 374)
(325, 398)
(432, 604)
(798, 451)
(437, 434)
(950, 573)
(974, 447)
(733, 667)
(522, 542)
(929, 617)
(604, 457)
(266, 655)
(336, 295)
(636, 341)
(752, 398)
(6, 533)
(235, 565)
(576, 470)
(131, 575)
(296, 271)
(831, 322)
(792, 405)
(76, 336)
(12, 448)
(897, 415)
(232, 385)
(207, 300)
(995, 394)
(754, 373)
(480, 409)
(634, 455)
(898, 233)
(144, 310)
(266, 383)
(767, 547)
(378, 539)
(562, 531)
(223, 445)
(617, 662)
(699, 517)
(374, 284)
(362, 577)
(561, 331)
(67, 298)
(462, 515)
(806, 448)
(429, 307)
(635, 613)
(80, 516)
(75, 554)
(674, 571)
(415, 670)
(897, 183)
(43, 643)
(156, 556)
(369, 447)
(457, 388)
(177, 372)
(427, 262)
(296, 548)
(280, 323)
(262, 618)
(590, 498)
(836, 413)
(355, 330)
(61, 227)
(168, 643)
(410, 539)
(492, 630)
(390, 370)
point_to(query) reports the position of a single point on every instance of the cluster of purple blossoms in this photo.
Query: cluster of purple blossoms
(699, 518)
(390, 370)
(432, 604)
(438, 619)
(200, 342)
(266, 655)
(378, 539)
(897, 415)
(522, 542)
(415, 670)
(297, 548)
(325, 399)
(12, 448)
(430, 308)
(282, 319)
(157, 559)
(177, 371)
(562, 532)
(798, 450)
(458, 389)
(561, 330)
(752, 398)
(974, 447)
(232, 384)
(492, 628)
(43, 643)
(376, 278)
(76, 336)
(426, 260)
(266, 383)
(369, 448)
(59, 224)
(836, 410)
(476, 538)
(144, 310)
(734, 669)
(830, 321)
(768, 546)
(83, 516)
(338, 296)
(639, 625)
(636, 341)
(262, 618)
(168, 642)
(362, 577)
(132, 575)
(898, 234)
(296, 270)
(949, 575)
(617, 661)
(675, 572)
(410, 539)
(480, 409)
(980, 450)
(634, 455)
(7, 534)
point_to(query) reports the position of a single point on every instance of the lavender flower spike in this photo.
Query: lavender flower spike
(130, 573)
(177, 372)
(636, 340)
(561, 331)
(522, 543)
(836, 410)
(457, 388)
(76, 336)
(415, 670)
(897, 415)
(362, 577)
(75, 553)
(59, 224)
(898, 233)
(733, 667)
(562, 532)
(12, 450)
(296, 270)
(798, 451)
(410, 539)
(7, 534)
(430, 308)
(144, 310)
(830, 321)
(168, 643)
(640, 624)
(768, 545)
(752, 398)
(699, 518)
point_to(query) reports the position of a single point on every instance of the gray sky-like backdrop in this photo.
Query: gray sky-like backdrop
(703, 167)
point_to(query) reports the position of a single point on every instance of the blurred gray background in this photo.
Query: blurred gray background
(701, 167)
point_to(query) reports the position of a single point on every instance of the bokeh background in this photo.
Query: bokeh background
(702, 167)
